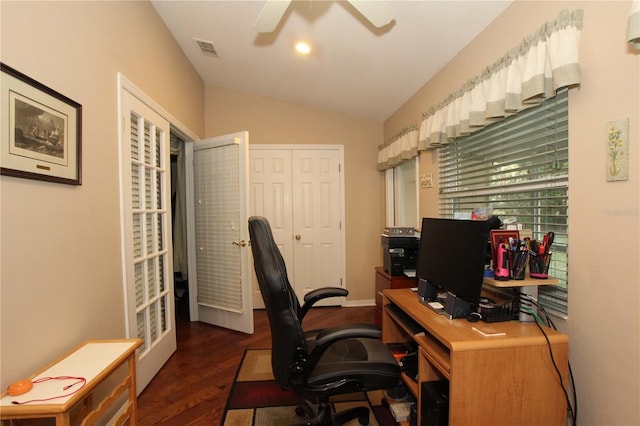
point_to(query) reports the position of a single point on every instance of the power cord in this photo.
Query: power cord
(78, 380)
(572, 408)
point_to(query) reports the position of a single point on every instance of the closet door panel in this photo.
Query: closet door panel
(299, 190)
(318, 253)
(270, 196)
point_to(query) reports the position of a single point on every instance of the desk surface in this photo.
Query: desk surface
(458, 335)
(92, 360)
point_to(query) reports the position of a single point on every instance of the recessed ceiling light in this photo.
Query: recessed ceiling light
(303, 48)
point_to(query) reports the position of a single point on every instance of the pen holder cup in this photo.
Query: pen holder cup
(518, 263)
(539, 266)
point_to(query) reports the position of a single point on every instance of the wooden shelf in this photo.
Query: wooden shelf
(411, 383)
(528, 281)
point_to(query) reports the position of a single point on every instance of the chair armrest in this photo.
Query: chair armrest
(347, 331)
(318, 294)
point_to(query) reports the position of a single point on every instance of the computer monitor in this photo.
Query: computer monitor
(451, 259)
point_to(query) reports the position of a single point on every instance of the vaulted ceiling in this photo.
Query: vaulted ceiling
(353, 68)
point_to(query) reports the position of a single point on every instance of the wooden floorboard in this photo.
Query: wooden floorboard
(193, 386)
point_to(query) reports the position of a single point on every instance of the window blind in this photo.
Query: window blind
(148, 227)
(519, 168)
(217, 194)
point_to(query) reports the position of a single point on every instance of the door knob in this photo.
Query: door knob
(298, 236)
(242, 243)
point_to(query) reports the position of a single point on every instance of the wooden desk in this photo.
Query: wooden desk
(93, 360)
(385, 281)
(502, 380)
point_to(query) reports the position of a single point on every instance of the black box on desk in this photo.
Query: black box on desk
(399, 253)
(434, 404)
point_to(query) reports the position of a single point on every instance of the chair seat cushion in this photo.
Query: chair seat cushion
(367, 361)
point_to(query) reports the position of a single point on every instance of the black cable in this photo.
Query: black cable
(555, 366)
(573, 383)
(573, 408)
(575, 396)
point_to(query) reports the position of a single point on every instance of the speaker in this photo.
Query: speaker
(434, 406)
(426, 290)
(454, 307)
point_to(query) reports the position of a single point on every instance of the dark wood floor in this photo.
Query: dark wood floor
(192, 387)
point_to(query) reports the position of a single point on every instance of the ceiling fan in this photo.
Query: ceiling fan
(379, 13)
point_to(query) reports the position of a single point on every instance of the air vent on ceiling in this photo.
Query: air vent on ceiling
(206, 47)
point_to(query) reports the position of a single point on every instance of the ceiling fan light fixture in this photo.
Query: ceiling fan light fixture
(303, 48)
(378, 12)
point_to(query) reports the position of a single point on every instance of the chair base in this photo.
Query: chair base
(323, 415)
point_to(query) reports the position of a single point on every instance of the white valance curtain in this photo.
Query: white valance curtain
(633, 25)
(401, 147)
(543, 63)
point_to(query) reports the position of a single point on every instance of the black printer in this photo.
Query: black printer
(400, 250)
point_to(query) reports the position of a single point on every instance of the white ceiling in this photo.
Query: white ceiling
(354, 68)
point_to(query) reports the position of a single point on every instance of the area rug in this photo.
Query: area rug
(256, 399)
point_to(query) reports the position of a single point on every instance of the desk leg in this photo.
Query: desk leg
(133, 398)
(63, 419)
(530, 290)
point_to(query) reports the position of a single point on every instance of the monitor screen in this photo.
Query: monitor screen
(452, 254)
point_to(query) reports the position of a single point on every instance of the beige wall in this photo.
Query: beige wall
(61, 276)
(604, 295)
(274, 122)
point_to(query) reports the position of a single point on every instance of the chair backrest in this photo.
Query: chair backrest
(287, 337)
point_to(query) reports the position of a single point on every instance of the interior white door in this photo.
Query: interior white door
(292, 180)
(218, 235)
(270, 196)
(146, 234)
(317, 220)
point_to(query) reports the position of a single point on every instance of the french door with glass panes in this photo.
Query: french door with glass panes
(146, 234)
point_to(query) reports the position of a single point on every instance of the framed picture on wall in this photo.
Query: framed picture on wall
(41, 131)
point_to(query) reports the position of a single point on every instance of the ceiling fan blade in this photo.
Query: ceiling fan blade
(379, 13)
(270, 15)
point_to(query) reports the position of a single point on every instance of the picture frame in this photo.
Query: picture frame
(41, 131)
(498, 236)
(617, 167)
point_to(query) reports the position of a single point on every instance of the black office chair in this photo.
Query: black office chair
(322, 363)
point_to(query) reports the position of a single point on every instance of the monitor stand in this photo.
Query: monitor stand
(434, 305)
(454, 307)
(427, 291)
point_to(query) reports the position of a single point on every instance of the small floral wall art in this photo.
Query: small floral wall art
(618, 150)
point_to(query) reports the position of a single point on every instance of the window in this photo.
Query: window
(519, 168)
(402, 194)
